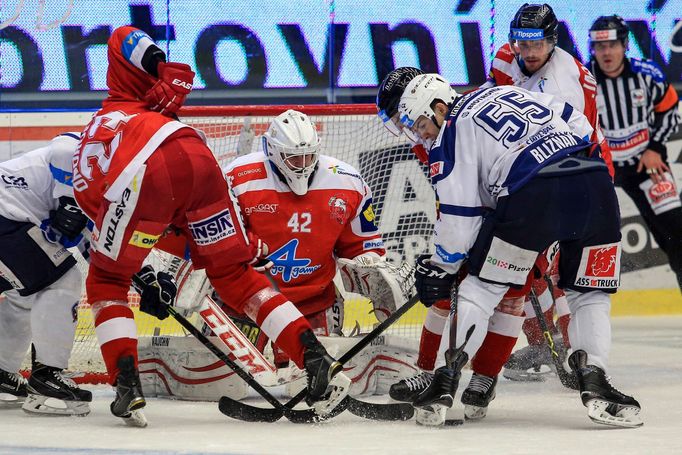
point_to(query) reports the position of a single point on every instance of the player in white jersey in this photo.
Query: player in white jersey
(512, 173)
(532, 60)
(506, 322)
(41, 284)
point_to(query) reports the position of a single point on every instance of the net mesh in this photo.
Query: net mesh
(404, 204)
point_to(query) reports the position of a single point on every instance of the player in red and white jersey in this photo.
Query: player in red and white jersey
(311, 209)
(532, 60)
(139, 172)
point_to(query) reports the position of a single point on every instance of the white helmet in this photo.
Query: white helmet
(420, 94)
(292, 144)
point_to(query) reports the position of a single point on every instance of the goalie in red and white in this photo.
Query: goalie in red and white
(139, 172)
(315, 213)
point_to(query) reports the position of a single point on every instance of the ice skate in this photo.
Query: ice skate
(129, 398)
(605, 404)
(433, 403)
(327, 385)
(409, 388)
(532, 363)
(12, 389)
(51, 393)
(478, 395)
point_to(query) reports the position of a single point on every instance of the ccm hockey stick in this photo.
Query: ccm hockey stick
(393, 411)
(268, 415)
(567, 379)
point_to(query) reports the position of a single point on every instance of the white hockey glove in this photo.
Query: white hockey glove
(387, 286)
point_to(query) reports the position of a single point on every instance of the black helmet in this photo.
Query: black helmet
(534, 22)
(609, 28)
(391, 89)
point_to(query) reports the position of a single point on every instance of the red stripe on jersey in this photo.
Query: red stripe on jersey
(247, 173)
(505, 53)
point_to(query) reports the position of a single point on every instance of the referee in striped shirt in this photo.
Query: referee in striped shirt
(638, 113)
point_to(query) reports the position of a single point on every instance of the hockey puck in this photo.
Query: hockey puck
(454, 422)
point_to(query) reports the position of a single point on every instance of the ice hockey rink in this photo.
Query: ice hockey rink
(525, 418)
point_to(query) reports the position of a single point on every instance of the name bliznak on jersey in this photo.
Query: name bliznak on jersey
(552, 144)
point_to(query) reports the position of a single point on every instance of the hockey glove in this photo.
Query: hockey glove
(69, 220)
(157, 291)
(168, 94)
(432, 282)
(260, 261)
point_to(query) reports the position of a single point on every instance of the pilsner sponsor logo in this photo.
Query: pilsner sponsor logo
(662, 190)
(212, 229)
(506, 265)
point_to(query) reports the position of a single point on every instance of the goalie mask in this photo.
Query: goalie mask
(291, 144)
(419, 99)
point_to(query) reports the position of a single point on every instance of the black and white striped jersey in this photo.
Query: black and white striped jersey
(637, 110)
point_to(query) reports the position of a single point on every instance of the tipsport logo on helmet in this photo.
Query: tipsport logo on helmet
(212, 229)
(526, 34)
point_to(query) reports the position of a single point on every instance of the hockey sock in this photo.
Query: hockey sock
(283, 323)
(432, 331)
(498, 344)
(116, 333)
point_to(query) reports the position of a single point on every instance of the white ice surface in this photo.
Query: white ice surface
(525, 418)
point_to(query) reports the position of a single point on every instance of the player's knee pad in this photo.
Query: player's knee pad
(484, 295)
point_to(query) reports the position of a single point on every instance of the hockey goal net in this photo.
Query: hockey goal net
(403, 200)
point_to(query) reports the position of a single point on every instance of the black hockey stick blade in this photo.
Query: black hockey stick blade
(381, 411)
(248, 413)
(241, 411)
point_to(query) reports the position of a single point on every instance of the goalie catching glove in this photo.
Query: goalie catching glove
(432, 282)
(387, 286)
(157, 291)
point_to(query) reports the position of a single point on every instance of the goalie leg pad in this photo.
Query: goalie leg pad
(182, 368)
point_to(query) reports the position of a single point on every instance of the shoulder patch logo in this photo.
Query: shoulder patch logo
(338, 209)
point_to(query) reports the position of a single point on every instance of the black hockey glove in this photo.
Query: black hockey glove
(69, 220)
(432, 282)
(157, 291)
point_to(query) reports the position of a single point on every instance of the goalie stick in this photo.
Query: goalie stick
(567, 379)
(393, 411)
(278, 410)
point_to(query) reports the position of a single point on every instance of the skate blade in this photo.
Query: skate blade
(431, 415)
(628, 417)
(136, 419)
(9, 401)
(475, 412)
(43, 405)
(338, 388)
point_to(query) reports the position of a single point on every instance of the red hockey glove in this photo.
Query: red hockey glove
(260, 261)
(168, 94)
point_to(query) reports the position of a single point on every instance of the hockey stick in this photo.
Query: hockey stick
(567, 379)
(393, 411)
(268, 415)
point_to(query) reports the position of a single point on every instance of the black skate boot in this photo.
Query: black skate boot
(48, 382)
(432, 404)
(605, 404)
(327, 385)
(409, 388)
(12, 389)
(533, 363)
(478, 395)
(129, 398)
